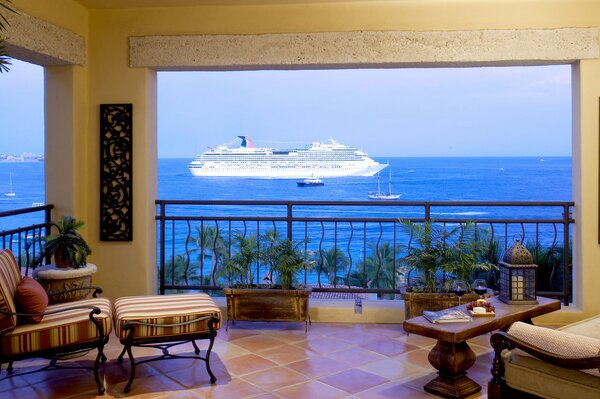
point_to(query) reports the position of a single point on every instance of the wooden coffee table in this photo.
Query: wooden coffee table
(452, 356)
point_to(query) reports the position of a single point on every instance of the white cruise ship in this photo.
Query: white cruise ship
(317, 159)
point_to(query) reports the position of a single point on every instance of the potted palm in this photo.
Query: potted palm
(438, 256)
(70, 277)
(275, 300)
(67, 246)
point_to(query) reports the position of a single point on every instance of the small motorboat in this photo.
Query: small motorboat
(310, 182)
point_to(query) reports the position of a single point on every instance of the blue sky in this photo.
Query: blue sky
(499, 111)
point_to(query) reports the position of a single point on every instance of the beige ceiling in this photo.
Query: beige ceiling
(97, 4)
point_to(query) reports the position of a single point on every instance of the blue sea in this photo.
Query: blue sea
(417, 179)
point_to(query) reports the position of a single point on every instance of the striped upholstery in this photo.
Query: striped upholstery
(57, 330)
(164, 309)
(10, 277)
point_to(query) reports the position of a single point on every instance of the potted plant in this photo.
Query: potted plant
(276, 299)
(70, 277)
(67, 246)
(438, 256)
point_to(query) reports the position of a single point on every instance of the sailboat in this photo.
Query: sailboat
(10, 192)
(384, 196)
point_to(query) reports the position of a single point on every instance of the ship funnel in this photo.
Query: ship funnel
(246, 142)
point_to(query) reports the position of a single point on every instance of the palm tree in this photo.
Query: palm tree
(381, 269)
(4, 59)
(178, 270)
(332, 262)
(239, 266)
(210, 244)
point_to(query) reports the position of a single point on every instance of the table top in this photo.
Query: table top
(505, 316)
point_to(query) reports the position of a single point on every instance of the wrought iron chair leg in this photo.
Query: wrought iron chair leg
(132, 372)
(120, 358)
(100, 355)
(10, 369)
(196, 349)
(213, 379)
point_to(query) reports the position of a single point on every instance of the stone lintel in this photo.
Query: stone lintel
(40, 42)
(364, 49)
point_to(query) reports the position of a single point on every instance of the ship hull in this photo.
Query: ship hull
(284, 173)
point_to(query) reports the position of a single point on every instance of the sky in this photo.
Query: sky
(484, 111)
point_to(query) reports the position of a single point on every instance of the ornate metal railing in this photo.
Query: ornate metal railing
(21, 232)
(353, 246)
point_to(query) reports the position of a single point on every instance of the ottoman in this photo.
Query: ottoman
(163, 321)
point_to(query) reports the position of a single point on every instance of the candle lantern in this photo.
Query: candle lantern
(518, 276)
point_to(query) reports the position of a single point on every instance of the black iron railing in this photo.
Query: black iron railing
(22, 230)
(352, 246)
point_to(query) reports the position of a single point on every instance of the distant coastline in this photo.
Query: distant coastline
(24, 157)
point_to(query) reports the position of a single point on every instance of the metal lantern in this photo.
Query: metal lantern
(518, 276)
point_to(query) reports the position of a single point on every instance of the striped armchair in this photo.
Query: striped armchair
(63, 329)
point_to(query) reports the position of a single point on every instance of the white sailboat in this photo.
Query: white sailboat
(384, 196)
(10, 192)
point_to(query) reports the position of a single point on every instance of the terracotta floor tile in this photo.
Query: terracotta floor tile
(234, 388)
(354, 380)
(395, 390)
(287, 354)
(275, 378)
(263, 361)
(247, 364)
(389, 347)
(318, 367)
(418, 358)
(311, 389)
(324, 345)
(355, 356)
(258, 343)
(392, 369)
(22, 392)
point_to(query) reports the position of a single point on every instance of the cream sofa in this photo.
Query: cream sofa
(546, 363)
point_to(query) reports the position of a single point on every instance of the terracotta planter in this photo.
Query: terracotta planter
(267, 304)
(416, 302)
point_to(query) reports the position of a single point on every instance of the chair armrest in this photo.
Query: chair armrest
(94, 310)
(502, 340)
(97, 291)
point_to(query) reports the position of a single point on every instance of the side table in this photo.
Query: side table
(59, 282)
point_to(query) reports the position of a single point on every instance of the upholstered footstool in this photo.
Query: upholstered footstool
(163, 321)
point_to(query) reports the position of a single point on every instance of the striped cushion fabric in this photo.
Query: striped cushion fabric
(164, 309)
(10, 277)
(56, 330)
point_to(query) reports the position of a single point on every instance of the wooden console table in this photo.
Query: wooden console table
(452, 356)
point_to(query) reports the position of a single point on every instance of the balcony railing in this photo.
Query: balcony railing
(354, 246)
(21, 232)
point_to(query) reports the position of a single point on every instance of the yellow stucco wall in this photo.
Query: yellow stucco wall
(129, 268)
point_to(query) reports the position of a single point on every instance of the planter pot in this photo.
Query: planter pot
(267, 305)
(416, 302)
(58, 281)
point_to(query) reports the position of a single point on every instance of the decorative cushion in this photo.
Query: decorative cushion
(559, 342)
(30, 298)
(58, 329)
(10, 277)
(164, 309)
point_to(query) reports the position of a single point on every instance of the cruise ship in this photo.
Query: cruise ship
(317, 159)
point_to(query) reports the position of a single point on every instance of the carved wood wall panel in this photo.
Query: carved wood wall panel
(116, 216)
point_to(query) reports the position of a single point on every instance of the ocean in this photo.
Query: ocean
(417, 179)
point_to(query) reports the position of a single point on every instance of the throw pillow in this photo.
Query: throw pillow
(30, 298)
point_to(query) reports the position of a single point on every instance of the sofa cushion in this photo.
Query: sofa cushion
(31, 297)
(588, 327)
(58, 329)
(546, 380)
(560, 343)
(164, 309)
(10, 277)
